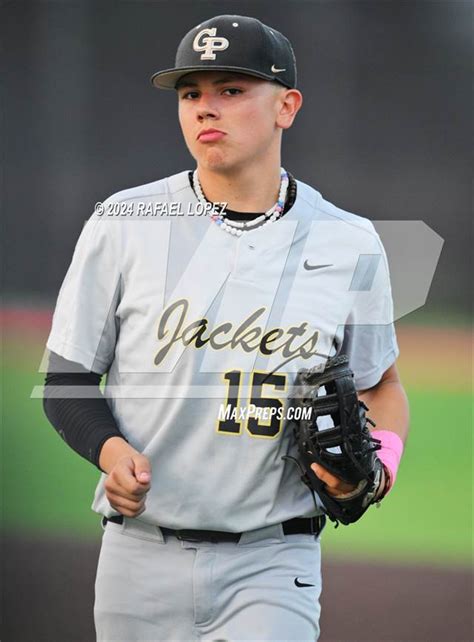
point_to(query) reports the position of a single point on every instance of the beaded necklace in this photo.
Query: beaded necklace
(238, 227)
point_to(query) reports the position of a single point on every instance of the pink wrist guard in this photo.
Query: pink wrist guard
(390, 453)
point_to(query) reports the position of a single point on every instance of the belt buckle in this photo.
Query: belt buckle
(184, 535)
(181, 536)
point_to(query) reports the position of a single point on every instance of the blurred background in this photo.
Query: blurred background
(385, 132)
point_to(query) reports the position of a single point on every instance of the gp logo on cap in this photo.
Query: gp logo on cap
(209, 45)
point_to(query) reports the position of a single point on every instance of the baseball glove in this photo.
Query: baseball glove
(346, 450)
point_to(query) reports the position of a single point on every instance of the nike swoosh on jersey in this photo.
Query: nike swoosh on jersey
(307, 266)
(300, 584)
(276, 70)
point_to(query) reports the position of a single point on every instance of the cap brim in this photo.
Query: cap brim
(168, 78)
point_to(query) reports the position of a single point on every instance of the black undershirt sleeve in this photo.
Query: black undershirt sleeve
(83, 422)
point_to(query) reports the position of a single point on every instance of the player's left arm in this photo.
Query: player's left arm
(388, 408)
(388, 403)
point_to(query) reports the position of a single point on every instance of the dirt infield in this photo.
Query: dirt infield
(435, 358)
(48, 597)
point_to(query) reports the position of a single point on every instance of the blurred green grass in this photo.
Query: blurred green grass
(48, 488)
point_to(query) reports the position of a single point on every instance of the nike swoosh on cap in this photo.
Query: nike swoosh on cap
(276, 70)
(307, 266)
(299, 584)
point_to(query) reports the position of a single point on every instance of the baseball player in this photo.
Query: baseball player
(200, 296)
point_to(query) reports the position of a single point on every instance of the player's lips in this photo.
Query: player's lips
(210, 135)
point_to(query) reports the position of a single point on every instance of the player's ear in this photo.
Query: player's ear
(289, 102)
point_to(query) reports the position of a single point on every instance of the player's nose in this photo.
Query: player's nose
(207, 107)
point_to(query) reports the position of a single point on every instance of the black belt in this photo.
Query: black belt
(298, 525)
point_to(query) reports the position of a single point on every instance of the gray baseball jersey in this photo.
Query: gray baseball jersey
(201, 333)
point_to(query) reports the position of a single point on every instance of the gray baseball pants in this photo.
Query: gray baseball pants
(155, 588)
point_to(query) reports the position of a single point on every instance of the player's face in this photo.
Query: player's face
(245, 110)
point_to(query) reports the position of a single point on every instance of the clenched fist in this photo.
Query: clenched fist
(129, 476)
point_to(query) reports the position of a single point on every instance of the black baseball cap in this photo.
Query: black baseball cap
(232, 43)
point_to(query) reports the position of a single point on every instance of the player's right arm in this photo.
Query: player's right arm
(88, 426)
(84, 332)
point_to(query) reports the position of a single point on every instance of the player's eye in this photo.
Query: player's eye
(189, 94)
(233, 89)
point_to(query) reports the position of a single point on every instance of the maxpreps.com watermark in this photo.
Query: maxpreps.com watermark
(158, 208)
(242, 413)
